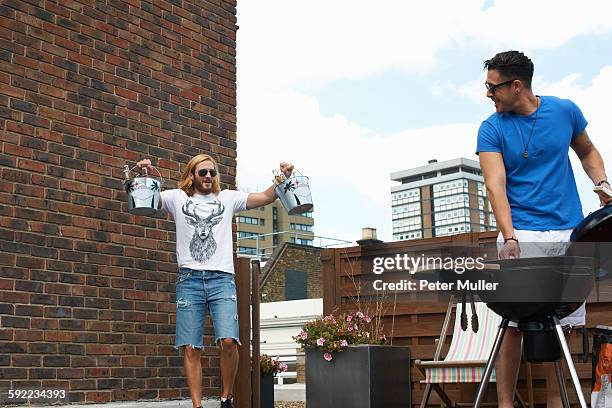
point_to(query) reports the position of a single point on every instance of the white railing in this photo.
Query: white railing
(291, 373)
(323, 242)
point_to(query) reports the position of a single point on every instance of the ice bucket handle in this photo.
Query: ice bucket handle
(280, 177)
(128, 171)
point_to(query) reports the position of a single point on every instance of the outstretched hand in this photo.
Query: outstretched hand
(145, 163)
(287, 169)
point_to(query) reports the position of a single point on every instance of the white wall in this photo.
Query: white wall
(280, 321)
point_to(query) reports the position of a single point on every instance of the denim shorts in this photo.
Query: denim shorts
(197, 291)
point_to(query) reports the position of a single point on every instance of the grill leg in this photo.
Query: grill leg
(562, 387)
(491, 363)
(570, 363)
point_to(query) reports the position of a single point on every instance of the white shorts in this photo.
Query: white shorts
(561, 241)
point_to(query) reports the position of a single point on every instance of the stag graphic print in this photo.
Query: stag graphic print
(203, 216)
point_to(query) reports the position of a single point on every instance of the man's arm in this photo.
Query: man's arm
(589, 156)
(591, 160)
(494, 173)
(255, 200)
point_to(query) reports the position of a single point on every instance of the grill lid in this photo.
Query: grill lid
(596, 227)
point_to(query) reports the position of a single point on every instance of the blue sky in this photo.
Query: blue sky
(351, 91)
(395, 100)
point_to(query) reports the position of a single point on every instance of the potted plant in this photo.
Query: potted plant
(268, 368)
(349, 364)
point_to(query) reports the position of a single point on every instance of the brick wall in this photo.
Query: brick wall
(296, 257)
(86, 289)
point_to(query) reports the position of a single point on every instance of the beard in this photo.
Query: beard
(202, 188)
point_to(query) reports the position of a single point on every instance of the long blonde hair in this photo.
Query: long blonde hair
(186, 183)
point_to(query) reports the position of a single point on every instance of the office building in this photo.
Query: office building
(262, 230)
(439, 199)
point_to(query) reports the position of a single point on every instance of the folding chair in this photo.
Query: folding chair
(467, 355)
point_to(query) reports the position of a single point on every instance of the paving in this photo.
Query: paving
(289, 394)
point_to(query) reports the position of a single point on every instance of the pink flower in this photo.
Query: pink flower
(368, 319)
(344, 343)
(350, 328)
(283, 367)
(327, 356)
(321, 341)
(367, 335)
(329, 318)
(349, 318)
(303, 335)
(359, 315)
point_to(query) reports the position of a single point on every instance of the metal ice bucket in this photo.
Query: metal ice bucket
(143, 191)
(294, 193)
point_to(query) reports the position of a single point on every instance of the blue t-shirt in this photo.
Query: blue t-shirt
(541, 188)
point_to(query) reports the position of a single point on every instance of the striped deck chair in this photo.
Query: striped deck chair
(467, 355)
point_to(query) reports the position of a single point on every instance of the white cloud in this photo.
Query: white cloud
(473, 90)
(348, 165)
(285, 42)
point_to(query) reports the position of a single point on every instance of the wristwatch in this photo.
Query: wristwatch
(512, 238)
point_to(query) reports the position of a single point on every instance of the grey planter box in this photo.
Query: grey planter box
(363, 376)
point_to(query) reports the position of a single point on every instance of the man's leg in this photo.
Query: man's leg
(229, 365)
(506, 367)
(190, 314)
(223, 306)
(553, 393)
(193, 372)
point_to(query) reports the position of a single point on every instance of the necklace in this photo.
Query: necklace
(526, 146)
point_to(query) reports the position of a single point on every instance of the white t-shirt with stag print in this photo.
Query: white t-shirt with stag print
(204, 227)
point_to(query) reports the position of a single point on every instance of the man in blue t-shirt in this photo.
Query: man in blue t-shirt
(523, 149)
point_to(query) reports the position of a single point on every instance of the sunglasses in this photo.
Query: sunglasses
(203, 172)
(493, 87)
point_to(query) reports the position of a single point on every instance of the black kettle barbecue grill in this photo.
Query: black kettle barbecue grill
(538, 292)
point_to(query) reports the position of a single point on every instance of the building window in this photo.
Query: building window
(246, 251)
(452, 229)
(301, 227)
(450, 187)
(418, 234)
(308, 242)
(250, 235)
(406, 196)
(249, 220)
(449, 171)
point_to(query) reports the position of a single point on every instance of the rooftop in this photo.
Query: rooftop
(434, 167)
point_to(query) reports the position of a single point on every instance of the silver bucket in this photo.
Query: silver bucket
(143, 192)
(294, 193)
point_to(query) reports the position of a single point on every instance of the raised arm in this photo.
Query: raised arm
(255, 200)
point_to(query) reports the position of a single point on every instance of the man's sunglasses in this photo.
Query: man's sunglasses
(203, 172)
(493, 87)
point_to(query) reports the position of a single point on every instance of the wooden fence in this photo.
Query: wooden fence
(415, 319)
